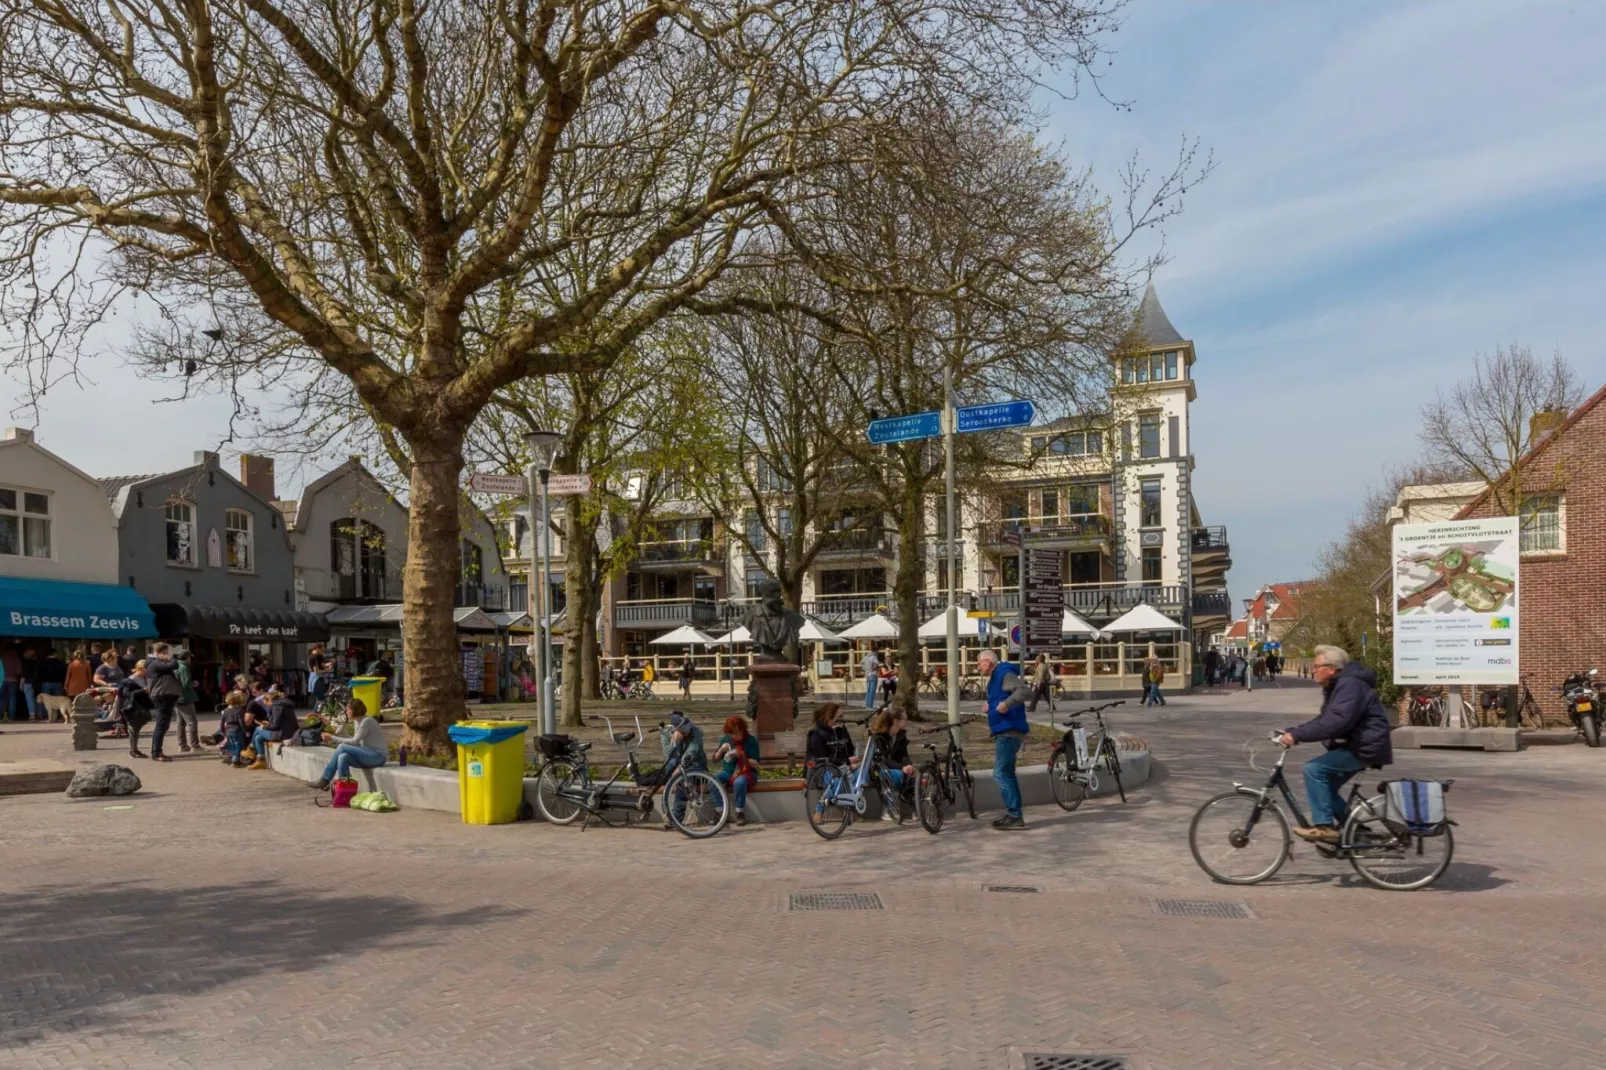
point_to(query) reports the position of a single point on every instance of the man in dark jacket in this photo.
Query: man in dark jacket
(1356, 731)
(165, 690)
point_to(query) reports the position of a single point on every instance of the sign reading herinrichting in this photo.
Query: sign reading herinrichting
(1455, 602)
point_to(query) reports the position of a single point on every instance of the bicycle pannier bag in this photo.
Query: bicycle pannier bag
(1417, 803)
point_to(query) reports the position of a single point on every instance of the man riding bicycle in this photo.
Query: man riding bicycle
(1356, 731)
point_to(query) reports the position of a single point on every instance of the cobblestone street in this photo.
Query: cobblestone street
(224, 921)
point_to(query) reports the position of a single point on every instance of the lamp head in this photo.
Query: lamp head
(543, 447)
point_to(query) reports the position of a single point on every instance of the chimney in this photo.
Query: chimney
(257, 475)
(18, 434)
(205, 459)
(1543, 423)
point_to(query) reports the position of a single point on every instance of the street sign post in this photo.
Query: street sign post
(905, 428)
(996, 416)
(575, 484)
(1043, 604)
(493, 483)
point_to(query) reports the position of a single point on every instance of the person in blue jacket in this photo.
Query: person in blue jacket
(1354, 727)
(1006, 719)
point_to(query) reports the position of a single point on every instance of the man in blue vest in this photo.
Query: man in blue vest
(1006, 720)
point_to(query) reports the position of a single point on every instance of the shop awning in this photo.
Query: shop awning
(174, 621)
(73, 610)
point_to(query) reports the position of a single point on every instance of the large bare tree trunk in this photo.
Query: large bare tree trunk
(432, 667)
(906, 595)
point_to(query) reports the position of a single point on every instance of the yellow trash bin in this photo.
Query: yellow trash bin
(490, 770)
(370, 690)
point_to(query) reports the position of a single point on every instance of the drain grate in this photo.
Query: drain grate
(1202, 908)
(835, 901)
(1060, 1060)
(1010, 888)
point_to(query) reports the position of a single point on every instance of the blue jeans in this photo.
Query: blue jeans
(27, 701)
(260, 740)
(1005, 750)
(234, 743)
(349, 754)
(8, 699)
(1324, 775)
(738, 787)
(1152, 696)
(872, 684)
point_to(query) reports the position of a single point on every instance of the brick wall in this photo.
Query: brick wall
(1562, 598)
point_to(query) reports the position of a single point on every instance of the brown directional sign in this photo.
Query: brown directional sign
(1042, 603)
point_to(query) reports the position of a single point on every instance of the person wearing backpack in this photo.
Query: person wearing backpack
(1355, 729)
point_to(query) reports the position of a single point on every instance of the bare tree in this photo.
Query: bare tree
(1484, 427)
(374, 192)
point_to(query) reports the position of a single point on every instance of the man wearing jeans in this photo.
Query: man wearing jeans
(871, 667)
(1356, 731)
(165, 690)
(1006, 720)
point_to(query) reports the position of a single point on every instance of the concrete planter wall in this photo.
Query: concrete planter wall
(415, 787)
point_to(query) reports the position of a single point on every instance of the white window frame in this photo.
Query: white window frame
(229, 516)
(167, 519)
(24, 515)
(1527, 520)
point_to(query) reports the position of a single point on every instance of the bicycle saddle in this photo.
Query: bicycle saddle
(579, 746)
(623, 737)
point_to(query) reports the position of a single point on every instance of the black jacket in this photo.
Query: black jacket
(163, 676)
(282, 719)
(1352, 717)
(831, 745)
(893, 750)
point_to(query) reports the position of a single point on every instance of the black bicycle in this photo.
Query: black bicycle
(1242, 836)
(1073, 764)
(941, 779)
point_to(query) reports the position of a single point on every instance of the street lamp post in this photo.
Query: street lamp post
(543, 447)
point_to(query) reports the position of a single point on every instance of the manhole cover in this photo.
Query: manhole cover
(1059, 1060)
(835, 901)
(1010, 888)
(1202, 908)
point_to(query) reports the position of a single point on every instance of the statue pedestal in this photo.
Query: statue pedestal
(775, 686)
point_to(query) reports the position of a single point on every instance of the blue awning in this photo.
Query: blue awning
(54, 608)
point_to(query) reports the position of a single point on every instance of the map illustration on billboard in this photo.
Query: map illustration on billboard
(1455, 602)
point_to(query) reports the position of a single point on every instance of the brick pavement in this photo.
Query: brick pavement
(226, 922)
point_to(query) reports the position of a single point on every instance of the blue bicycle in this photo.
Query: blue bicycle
(834, 794)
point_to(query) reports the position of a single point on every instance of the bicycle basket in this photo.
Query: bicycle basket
(1416, 804)
(555, 746)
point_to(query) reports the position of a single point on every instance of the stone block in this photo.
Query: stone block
(1486, 739)
(94, 780)
(33, 776)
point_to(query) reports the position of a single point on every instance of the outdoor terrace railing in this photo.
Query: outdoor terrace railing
(661, 612)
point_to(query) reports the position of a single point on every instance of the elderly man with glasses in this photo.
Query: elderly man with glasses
(1356, 731)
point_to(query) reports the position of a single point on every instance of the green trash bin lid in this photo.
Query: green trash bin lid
(470, 733)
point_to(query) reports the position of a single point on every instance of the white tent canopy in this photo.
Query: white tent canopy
(685, 635)
(740, 635)
(815, 632)
(1143, 618)
(1074, 625)
(875, 626)
(937, 627)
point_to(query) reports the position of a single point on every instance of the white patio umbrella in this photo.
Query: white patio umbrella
(740, 635)
(937, 627)
(1143, 618)
(875, 626)
(1075, 625)
(815, 632)
(685, 635)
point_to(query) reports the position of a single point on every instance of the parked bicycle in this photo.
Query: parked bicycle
(1398, 840)
(696, 803)
(1074, 763)
(834, 794)
(941, 779)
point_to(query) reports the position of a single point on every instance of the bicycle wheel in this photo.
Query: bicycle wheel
(1113, 764)
(1392, 858)
(825, 816)
(706, 806)
(1228, 849)
(554, 779)
(929, 799)
(959, 773)
(891, 797)
(1068, 790)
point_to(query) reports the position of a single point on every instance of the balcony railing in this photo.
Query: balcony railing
(1097, 602)
(868, 541)
(665, 613)
(482, 597)
(1212, 604)
(1083, 526)
(676, 553)
(1210, 539)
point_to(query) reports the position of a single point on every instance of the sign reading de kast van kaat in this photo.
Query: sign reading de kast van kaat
(1455, 602)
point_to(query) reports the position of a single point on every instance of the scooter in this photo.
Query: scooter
(1583, 704)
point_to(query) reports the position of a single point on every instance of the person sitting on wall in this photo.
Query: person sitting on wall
(365, 748)
(277, 726)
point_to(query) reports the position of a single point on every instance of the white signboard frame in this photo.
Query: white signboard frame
(569, 484)
(1455, 602)
(495, 483)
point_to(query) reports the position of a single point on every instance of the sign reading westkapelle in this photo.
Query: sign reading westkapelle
(1455, 602)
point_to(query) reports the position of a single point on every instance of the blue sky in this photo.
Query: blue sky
(1397, 187)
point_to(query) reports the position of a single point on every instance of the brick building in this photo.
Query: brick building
(1563, 572)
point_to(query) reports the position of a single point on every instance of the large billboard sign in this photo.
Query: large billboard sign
(1455, 602)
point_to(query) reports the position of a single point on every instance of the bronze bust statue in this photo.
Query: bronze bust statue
(770, 625)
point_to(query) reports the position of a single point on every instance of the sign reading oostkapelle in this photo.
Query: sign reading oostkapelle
(1455, 602)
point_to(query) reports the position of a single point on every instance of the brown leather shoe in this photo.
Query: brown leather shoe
(1318, 834)
(258, 764)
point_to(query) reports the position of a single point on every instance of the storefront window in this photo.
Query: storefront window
(180, 533)
(237, 524)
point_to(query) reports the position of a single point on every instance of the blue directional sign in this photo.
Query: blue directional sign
(905, 428)
(999, 415)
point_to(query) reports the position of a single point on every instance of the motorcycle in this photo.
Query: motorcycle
(1583, 704)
